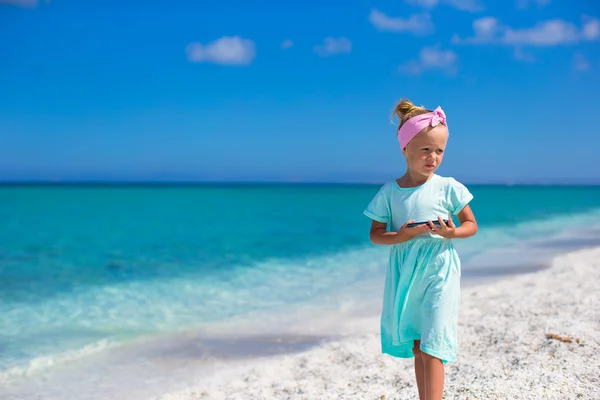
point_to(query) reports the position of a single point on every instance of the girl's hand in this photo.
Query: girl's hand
(405, 233)
(444, 230)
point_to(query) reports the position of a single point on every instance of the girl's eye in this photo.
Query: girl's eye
(425, 149)
(440, 151)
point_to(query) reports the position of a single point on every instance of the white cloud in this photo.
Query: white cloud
(486, 30)
(463, 5)
(526, 3)
(591, 28)
(418, 24)
(521, 55)
(580, 63)
(485, 27)
(466, 5)
(331, 46)
(21, 3)
(554, 32)
(432, 58)
(546, 33)
(228, 50)
(287, 44)
(423, 3)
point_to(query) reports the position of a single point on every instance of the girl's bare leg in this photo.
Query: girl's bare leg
(419, 369)
(434, 377)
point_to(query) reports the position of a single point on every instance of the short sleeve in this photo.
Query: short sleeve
(458, 196)
(379, 207)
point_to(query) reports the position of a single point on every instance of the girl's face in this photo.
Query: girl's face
(424, 153)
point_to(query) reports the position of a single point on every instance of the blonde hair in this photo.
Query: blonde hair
(405, 110)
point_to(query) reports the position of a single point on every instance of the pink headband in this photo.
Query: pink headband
(414, 125)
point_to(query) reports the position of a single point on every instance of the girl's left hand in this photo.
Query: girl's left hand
(444, 230)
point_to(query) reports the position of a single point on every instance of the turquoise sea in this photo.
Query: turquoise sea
(85, 268)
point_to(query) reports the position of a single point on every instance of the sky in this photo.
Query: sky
(296, 90)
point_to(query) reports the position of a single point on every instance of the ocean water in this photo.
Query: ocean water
(86, 268)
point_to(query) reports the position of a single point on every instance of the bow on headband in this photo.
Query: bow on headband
(438, 117)
(416, 124)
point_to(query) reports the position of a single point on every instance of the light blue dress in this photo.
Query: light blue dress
(422, 285)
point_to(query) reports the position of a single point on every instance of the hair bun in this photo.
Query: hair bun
(406, 110)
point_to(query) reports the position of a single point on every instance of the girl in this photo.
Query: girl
(422, 286)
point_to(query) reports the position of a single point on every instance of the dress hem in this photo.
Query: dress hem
(410, 354)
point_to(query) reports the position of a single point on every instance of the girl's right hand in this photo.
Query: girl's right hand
(405, 233)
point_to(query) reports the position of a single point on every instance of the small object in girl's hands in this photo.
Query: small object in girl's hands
(435, 222)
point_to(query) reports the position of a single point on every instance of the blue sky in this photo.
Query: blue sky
(295, 90)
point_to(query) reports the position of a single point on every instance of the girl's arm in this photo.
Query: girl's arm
(468, 225)
(379, 235)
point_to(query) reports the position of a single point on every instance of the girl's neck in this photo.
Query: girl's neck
(413, 180)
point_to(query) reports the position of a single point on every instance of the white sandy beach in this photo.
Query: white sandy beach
(504, 350)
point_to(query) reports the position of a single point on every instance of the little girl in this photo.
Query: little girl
(422, 286)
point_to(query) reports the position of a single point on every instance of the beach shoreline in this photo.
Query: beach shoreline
(526, 336)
